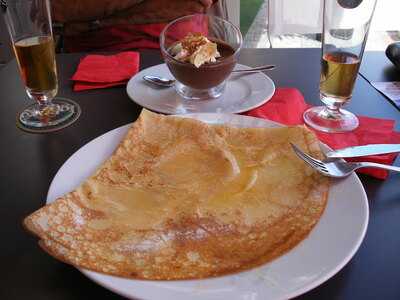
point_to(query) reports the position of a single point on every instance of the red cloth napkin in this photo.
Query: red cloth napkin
(287, 107)
(101, 71)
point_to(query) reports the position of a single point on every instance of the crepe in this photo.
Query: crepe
(181, 199)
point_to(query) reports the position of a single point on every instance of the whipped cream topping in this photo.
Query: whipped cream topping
(196, 49)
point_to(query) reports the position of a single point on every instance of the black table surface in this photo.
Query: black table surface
(30, 161)
(376, 66)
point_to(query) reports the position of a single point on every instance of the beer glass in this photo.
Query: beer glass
(29, 26)
(345, 30)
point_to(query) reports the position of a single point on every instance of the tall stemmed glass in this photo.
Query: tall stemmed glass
(345, 31)
(29, 26)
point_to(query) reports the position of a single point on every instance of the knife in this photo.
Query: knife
(358, 151)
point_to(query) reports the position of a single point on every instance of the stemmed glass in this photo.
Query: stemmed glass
(29, 26)
(345, 31)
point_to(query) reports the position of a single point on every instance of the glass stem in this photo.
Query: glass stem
(331, 111)
(46, 109)
(43, 100)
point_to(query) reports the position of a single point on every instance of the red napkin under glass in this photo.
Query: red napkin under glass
(287, 107)
(101, 71)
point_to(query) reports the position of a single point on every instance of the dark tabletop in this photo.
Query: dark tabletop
(29, 163)
(377, 67)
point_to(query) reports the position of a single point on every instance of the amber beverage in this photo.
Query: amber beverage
(36, 60)
(338, 74)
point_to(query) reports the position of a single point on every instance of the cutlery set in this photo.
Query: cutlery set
(333, 166)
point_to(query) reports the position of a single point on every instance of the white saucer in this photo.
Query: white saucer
(242, 93)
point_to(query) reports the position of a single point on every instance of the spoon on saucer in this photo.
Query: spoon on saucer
(165, 82)
(159, 81)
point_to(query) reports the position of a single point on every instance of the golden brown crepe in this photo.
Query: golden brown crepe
(181, 199)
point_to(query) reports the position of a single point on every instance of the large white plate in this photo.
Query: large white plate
(242, 93)
(330, 245)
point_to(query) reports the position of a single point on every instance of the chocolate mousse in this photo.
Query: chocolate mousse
(200, 62)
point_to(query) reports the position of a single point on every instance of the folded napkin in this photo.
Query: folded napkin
(101, 71)
(287, 107)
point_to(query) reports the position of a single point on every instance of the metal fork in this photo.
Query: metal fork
(334, 167)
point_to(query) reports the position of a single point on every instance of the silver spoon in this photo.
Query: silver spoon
(159, 81)
(165, 82)
(255, 69)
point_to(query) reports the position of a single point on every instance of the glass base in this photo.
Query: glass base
(323, 119)
(59, 114)
(195, 94)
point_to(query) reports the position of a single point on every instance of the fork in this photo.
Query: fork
(334, 167)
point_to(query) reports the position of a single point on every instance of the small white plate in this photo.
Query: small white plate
(330, 245)
(242, 93)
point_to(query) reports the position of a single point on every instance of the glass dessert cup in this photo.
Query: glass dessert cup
(208, 80)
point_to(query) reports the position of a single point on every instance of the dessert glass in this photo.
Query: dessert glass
(207, 81)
